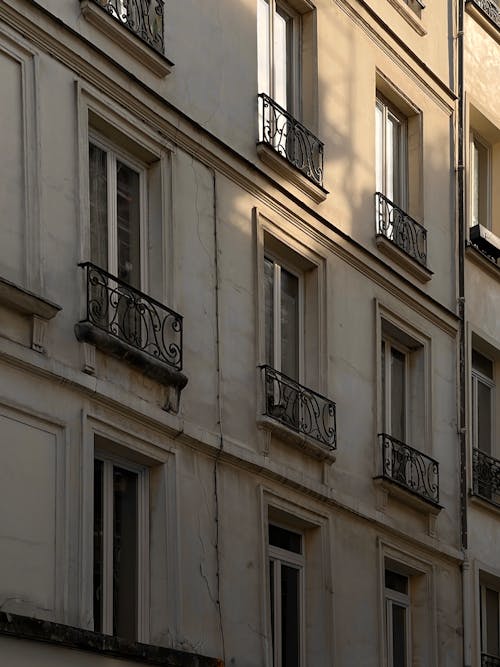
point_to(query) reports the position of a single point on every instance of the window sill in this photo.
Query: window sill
(490, 505)
(274, 160)
(482, 260)
(395, 490)
(409, 16)
(130, 43)
(492, 28)
(417, 270)
(71, 638)
(298, 440)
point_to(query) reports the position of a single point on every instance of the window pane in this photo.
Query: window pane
(492, 620)
(482, 364)
(393, 167)
(98, 190)
(398, 636)
(483, 417)
(396, 582)
(128, 223)
(125, 557)
(269, 310)
(281, 58)
(98, 545)
(263, 46)
(290, 616)
(398, 399)
(285, 539)
(289, 324)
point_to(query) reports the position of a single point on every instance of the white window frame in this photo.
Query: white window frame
(388, 343)
(284, 557)
(476, 377)
(113, 154)
(387, 108)
(109, 462)
(475, 216)
(277, 341)
(403, 600)
(484, 622)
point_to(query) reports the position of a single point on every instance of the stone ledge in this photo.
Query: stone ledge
(299, 440)
(26, 302)
(23, 627)
(481, 501)
(277, 162)
(483, 19)
(406, 262)
(481, 259)
(388, 488)
(121, 35)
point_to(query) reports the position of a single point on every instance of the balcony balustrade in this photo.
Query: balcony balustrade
(301, 409)
(489, 660)
(401, 229)
(144, 18)
(290, 139)
(130, 325)
(486, 477)
(489, 8)
(410, 469)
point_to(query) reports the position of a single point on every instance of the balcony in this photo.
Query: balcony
(488, 9)
(486, 478)
(301, 411)
(294, 145)
(409, 469)
(127, 324)
(393, 224)
(489, 660)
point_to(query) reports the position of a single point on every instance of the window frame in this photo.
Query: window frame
(403, 600)
(480, 217)
(476, 377)
(483, 622)
(388, 344)
(387, 108)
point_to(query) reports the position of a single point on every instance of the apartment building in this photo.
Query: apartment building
(229, 333)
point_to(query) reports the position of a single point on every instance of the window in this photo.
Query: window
(480, 182)
(490, 620)
(394, 389)
(391, 133)
(483, 401)
(397, 619)
(415, 5)
(286, 581)
(121, 533)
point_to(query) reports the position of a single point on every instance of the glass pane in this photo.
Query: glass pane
(379, 142)
(125, 557)
(398, 390)
(492, 620)
(289, 324)
(281, 55)
(98, 545)
(269, 310)
(290, 616)
(482, 364)
(263, 46)
(128, 224)
(98, 190)
(398, 636)
(285, 539)
(483, 417)
(396, 582)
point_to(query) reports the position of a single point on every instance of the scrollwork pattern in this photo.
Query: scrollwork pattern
(397, 226)
(486, 476)
(142, 17)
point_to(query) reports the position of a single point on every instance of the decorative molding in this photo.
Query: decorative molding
(403, 260)
(39, 329)
(88, 359)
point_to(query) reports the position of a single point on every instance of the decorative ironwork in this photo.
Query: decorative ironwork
(486, 476)
(490, 660)
(490, 9)
(142, 17)
(409, 468)
(299, 408)
(291, 139)
(132, 317)
(397, 226)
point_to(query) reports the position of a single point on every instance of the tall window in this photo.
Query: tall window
(279, 37)
(117, 213)
(490, 621)
(286, 579)
(394, 368)
(283, 318)
(120, 535)
(391, 133)
(483, 396)
(397, 619)
(480, 182)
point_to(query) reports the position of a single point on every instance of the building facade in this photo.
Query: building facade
(234, 301)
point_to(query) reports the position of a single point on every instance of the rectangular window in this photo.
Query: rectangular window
(120, 535)
(397, 619)
(391, 139)
(490, 621)
(286, 580)
(394, 369)
(483, 401)
(480, 182)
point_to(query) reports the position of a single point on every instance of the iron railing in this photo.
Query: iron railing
(142, 17)
(489, 8)
(409, 468)
(291, 139)
(486, 476)
(132, 317)
(397, 226)
(490, 660)
(299, 408)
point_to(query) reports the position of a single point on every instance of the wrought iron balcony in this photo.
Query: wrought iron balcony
(489, 8)
(299, 408)
(486, 477)
(290, 139)
(402, 230)
(407, 467)
(490, 660)
(141, 327)
(142, 17)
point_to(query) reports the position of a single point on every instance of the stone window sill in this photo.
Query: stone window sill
(409, 16)
(388, 489)
(298, 440)
(491, 28)
(417, 270)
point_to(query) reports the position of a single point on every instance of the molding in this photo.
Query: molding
(299, 440)
(284, 168)
(129, 42)
(406, 262)
(409, 16)
(483, 261)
